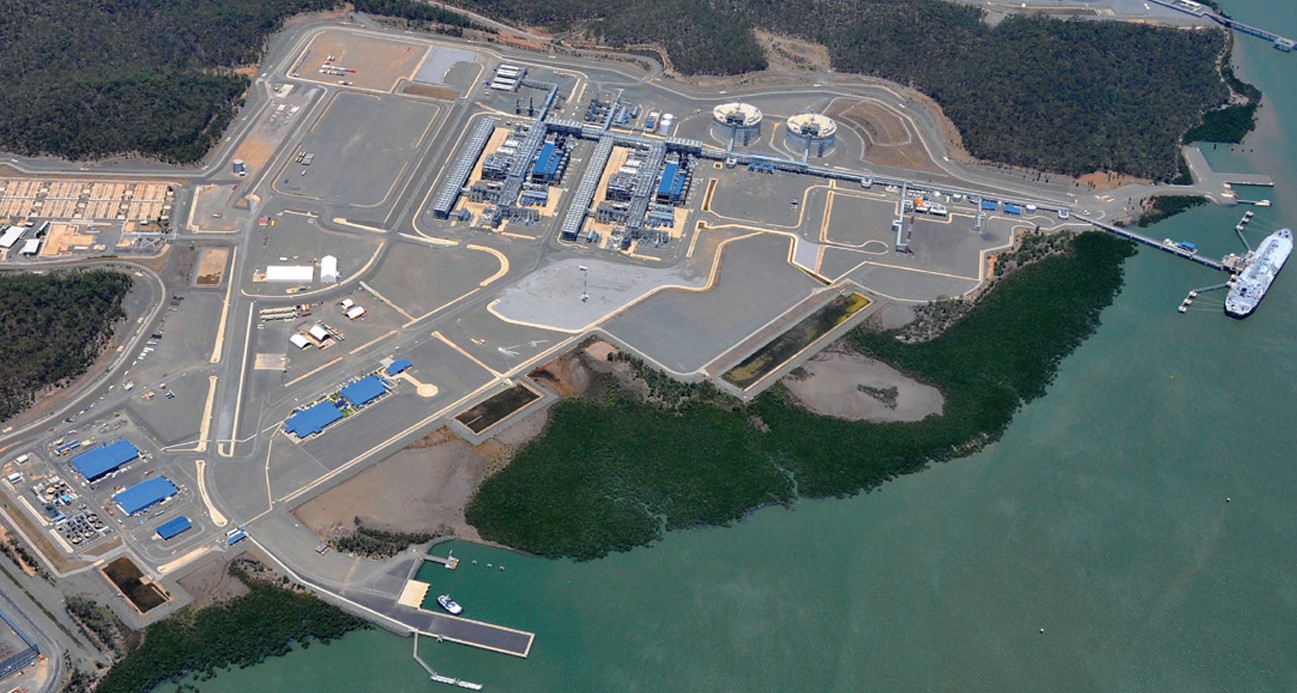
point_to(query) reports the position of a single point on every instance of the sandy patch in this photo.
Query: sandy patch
(211, 266)
(835, 385)
(1107, 180)
(421, 489)
(64, 237)
(377, 63)
(785, 53)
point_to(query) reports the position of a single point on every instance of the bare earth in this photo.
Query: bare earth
(211, 582)
(422, 488)
(831, 389)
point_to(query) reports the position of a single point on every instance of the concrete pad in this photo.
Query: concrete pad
(551, 296)
(684, 331)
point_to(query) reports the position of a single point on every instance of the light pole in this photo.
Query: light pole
(585, 276)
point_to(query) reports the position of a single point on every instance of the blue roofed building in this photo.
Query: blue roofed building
(174, 527)
(104, 459)
(546, 167)
(145, 495)
(398, 366)
(364, 391)
(312, 420)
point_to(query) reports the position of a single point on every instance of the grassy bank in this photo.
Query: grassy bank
(612, 474)
(240, 632)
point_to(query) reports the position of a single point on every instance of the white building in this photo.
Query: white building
(290, 274)
(31, 247)
(11, 236)
(354, 312)
(319, 334)
(299, 341)
(328, 270)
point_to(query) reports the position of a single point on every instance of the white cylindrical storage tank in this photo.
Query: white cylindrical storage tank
(811, 132)
(741, 121)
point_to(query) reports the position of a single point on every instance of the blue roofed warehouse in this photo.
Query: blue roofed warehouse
(364, 391)
(104, 459)
(312, 420)
(398, 366)
(174, 527)
(145, 495)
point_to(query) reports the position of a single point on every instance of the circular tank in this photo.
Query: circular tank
(811, 132)
(741, 121)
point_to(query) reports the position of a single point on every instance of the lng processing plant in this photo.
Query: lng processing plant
(401, 228)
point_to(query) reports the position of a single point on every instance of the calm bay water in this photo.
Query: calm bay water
(1100, 517)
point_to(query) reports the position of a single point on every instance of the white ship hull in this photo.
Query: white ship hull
(1251, 285)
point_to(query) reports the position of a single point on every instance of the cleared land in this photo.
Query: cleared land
(210, 270)
(378, 63)
(888, 140)
(422, 488)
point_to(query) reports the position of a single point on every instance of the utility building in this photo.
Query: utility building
(363, 391)
(105, 459)
(145, 495)
(312, 420)
(328, 270)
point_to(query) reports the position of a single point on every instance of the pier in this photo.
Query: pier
(1230, 264)
(1197, 9)
(432, 674)
(450, 562)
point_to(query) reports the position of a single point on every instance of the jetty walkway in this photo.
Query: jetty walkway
(1197, 9)
(1221, 266)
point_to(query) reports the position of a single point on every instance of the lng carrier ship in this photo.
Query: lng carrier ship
(1251, 284)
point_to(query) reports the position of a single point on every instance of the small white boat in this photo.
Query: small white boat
(449, 604)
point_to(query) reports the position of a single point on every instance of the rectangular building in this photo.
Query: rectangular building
(173, 528)
(364, 391)
(145, 495)
(10, 236)
(329, 269)
(312, 420)
(398, 366)
(295, 274)
(107, 458)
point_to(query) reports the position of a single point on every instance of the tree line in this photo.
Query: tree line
(55, 326)
(148, 77)
(1072, 96)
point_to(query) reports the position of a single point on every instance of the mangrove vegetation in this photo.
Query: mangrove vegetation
(241, 632)
(615, 473)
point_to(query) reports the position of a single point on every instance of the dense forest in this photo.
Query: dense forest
(54, 327)
(1066, 96)
(243, 631)
(614, 473)
(91, 80)
(151, 77)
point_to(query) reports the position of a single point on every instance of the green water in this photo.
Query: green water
(1100, 517)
